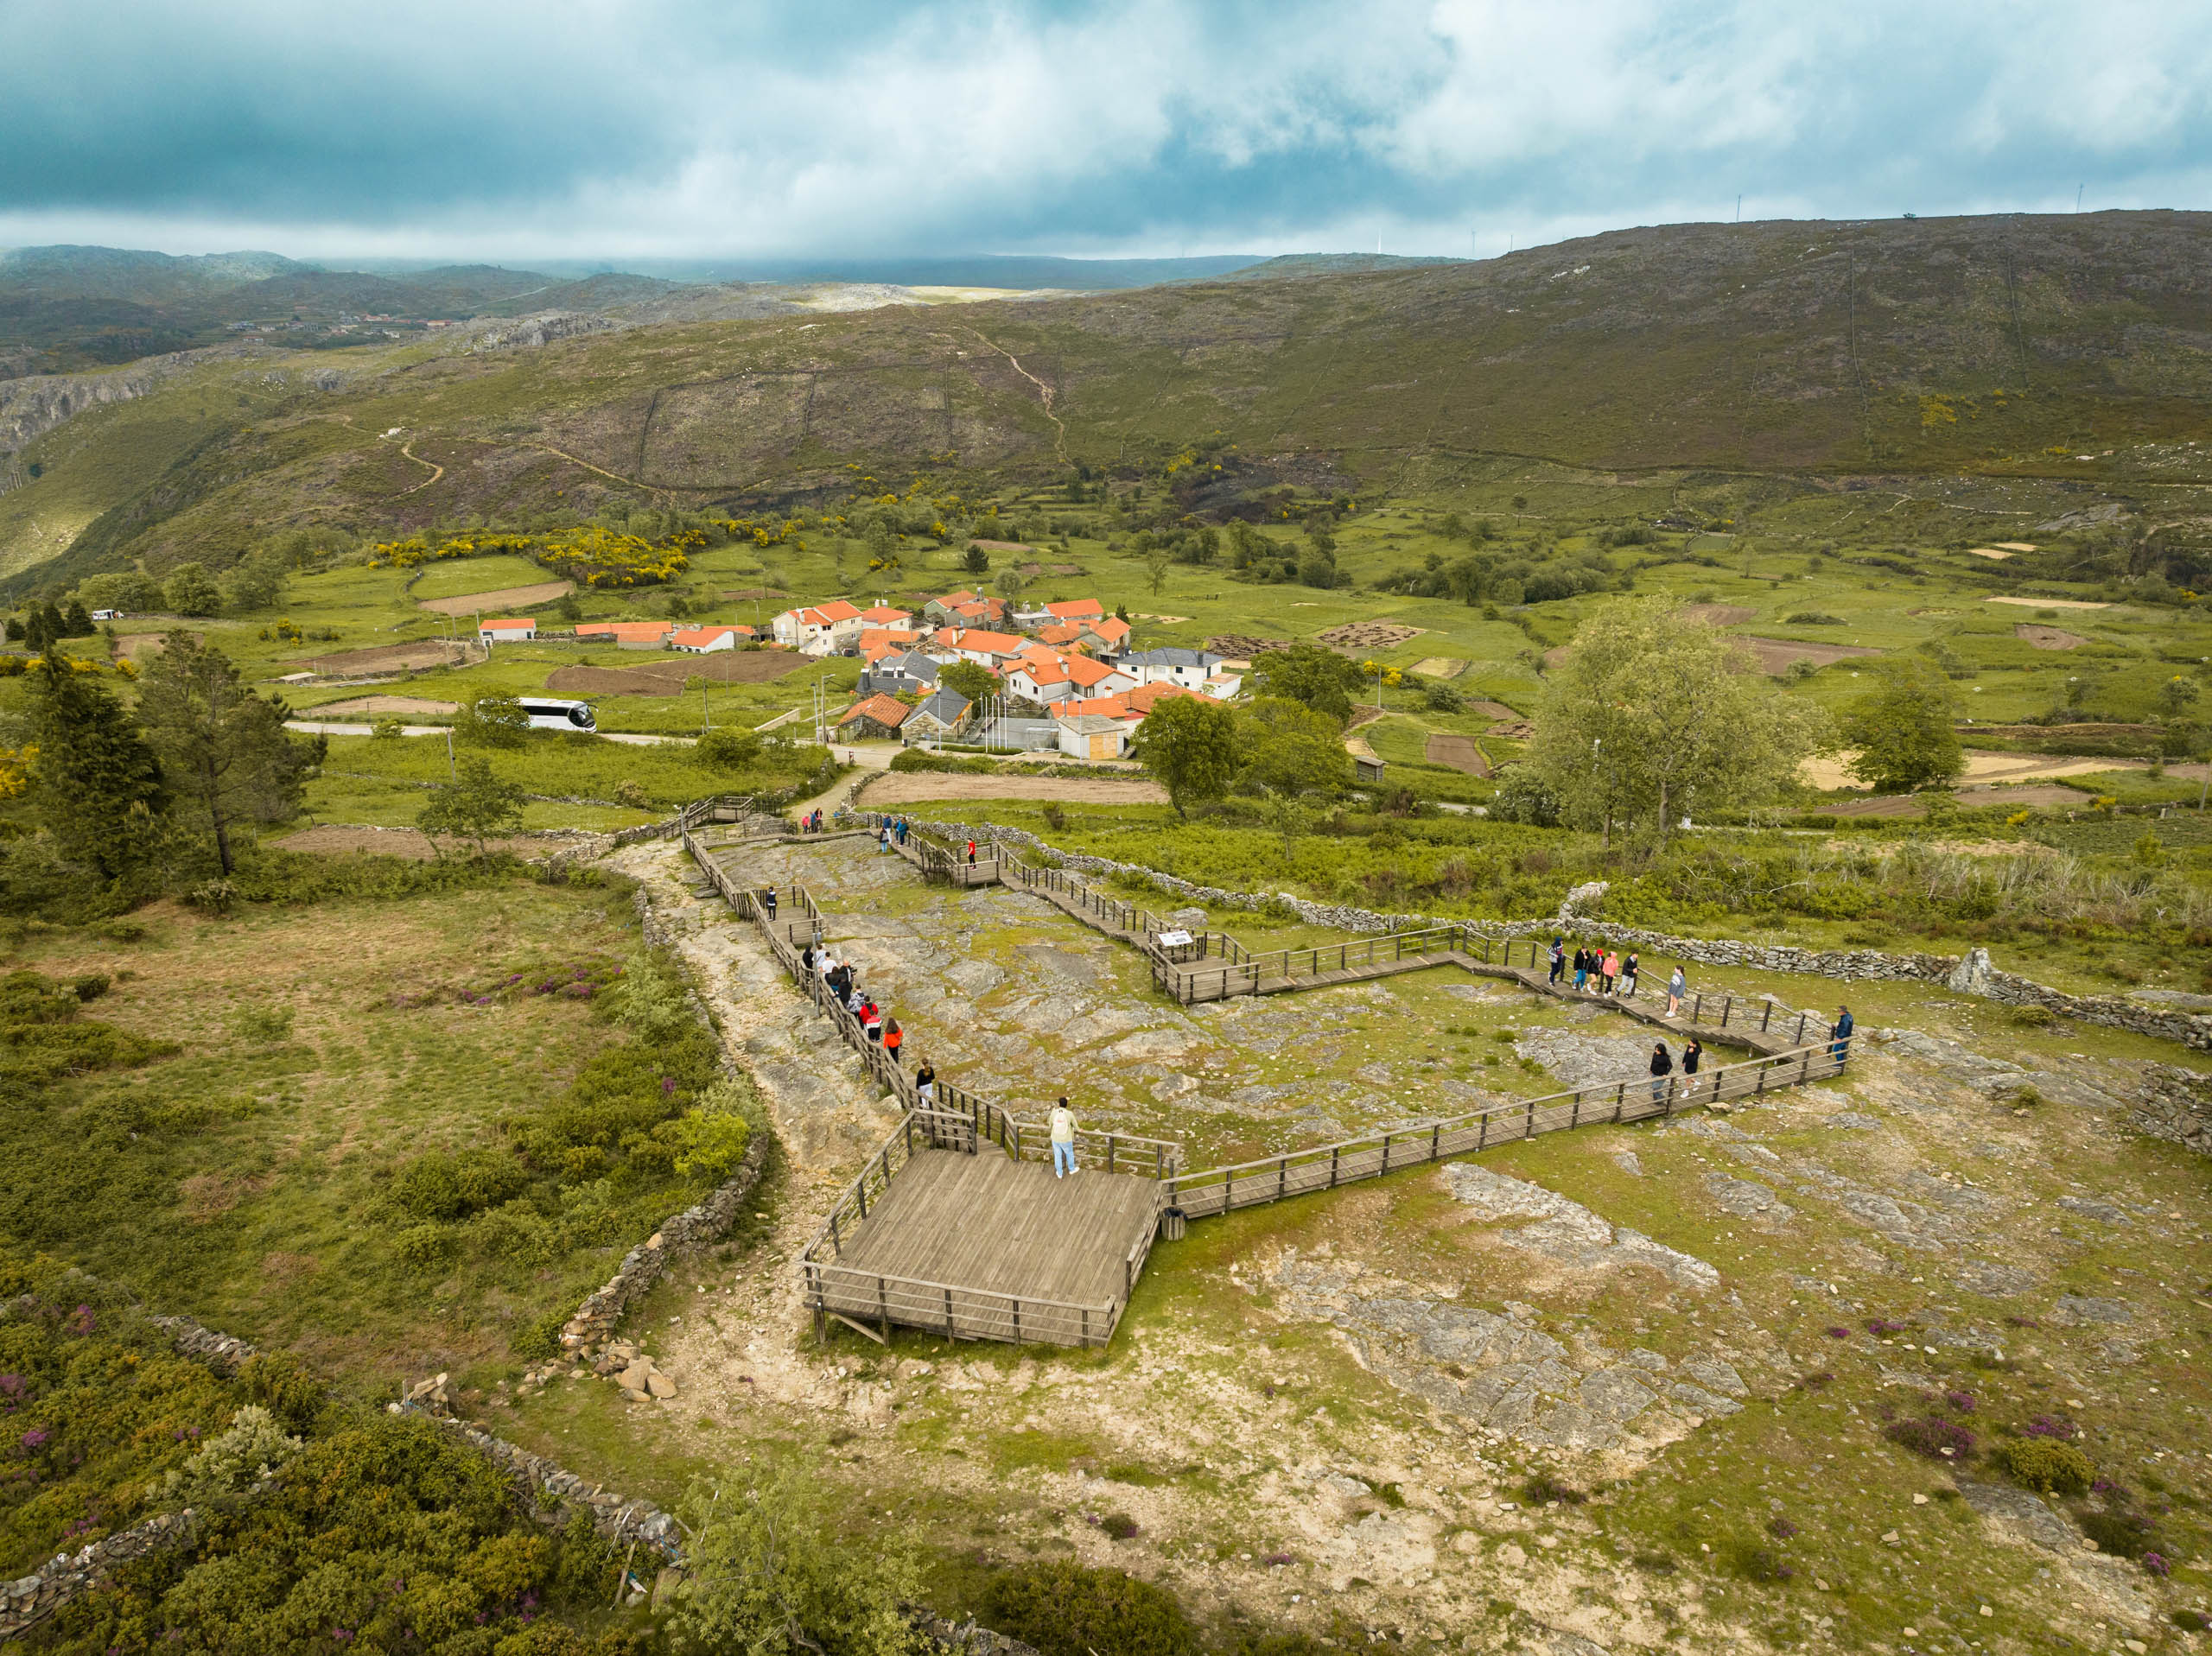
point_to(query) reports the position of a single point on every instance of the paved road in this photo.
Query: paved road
(334, 727)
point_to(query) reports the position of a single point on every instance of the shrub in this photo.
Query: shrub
(2045, 1464)
(767, 1578)
(709, 1143)
(632, 794)
(427, 1248)
(2033, 1017)
(1522, 797)
(388, 729)
(1543, 1489)
(436, 1185)
(249, 1454)
(280, 1382)
(1812, 618)
(541, 1337)
(1118, 1526)
(1932, 1435)
(2122, 1532)
(727, 749)
(263, 1025)
(1064, 1609)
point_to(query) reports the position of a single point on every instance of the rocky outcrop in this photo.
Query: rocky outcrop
(2176, 1105)
(219, 1351)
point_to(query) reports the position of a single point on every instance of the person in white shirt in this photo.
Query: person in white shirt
(1063, 1140)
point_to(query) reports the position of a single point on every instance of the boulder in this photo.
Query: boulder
(659, 1385)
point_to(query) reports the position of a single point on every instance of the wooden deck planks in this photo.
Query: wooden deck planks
(990, 1223)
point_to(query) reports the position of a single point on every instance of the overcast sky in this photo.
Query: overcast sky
(639, 129)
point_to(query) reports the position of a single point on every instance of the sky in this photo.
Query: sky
(675, 129)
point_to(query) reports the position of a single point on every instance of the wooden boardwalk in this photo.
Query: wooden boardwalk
(978, 1245)
(956, 1225)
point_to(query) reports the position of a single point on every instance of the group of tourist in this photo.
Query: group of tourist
(811, 822)
(1600, 970)
(890, 832)
(843, 982)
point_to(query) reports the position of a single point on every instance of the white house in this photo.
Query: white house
(1189, 668)
(819, 629)
(1063, 678)
(700, 641)
(511, 629)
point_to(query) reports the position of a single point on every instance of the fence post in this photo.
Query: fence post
(1481, 1136)
(1528, 1128)
(883, 1309)
(1333, 1166)
(1726, 1007)
(1620, 1100)
(1767, 1017)
(948, 1333)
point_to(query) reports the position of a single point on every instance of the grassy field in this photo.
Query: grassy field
(250, 1179)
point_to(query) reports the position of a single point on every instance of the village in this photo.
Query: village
(1051, 677)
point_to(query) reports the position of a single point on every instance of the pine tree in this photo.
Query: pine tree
(222, 747)
(99, 785)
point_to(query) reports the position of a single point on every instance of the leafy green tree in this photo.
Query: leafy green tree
(1902, 728)
(77, 621)
(1320, 678)
(727, 749)
(769, 1578)
(476, 804)
(257, 581)
(99, 785)
(53, 627)
(968, 679)
(220, 745)
(1158, 560)
(1316, 569)
(1522, 797)
(192, 591)
(1654, 712)
(1288, 749)
(495, 721)
(2178, 695)
(1189, 742)
(975, 561)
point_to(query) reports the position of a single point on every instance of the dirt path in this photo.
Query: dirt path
(437, 470)
(1044, 396)
(912, 787)
(1983, 769)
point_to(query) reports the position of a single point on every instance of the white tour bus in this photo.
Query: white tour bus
(547, 714)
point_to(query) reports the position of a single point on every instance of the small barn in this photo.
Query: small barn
(878, 718)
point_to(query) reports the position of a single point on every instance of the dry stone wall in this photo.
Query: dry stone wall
(26, 1602)
(1970, 974)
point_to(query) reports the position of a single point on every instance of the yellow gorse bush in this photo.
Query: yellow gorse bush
(591, 556)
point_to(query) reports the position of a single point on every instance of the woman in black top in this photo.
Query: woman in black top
(925, 1082)
(1691, 1054)
(1662, 1066)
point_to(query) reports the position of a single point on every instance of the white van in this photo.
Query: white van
(547, 713)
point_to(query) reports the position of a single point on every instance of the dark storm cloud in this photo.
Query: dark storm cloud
(674, 126)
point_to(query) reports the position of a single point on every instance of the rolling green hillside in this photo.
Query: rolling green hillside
(2068, 351)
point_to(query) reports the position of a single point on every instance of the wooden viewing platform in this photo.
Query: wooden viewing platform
(973, 1245)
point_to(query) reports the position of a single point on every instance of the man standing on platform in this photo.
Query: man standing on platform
(1063, 1140)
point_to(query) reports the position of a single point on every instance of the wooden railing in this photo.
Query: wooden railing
(957, 1312)
(1244, 971)
(986, 1121)
(1223, 1190)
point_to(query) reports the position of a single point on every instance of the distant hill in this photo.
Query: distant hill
(1313, 264)
(1853, 354)
(966, 270)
